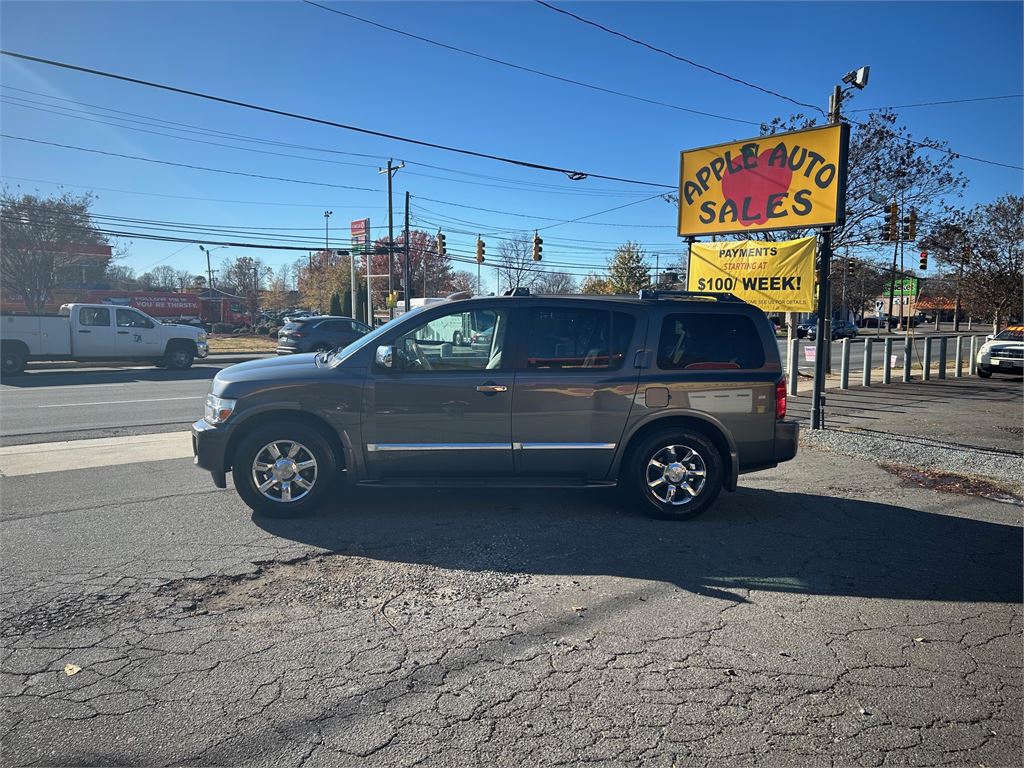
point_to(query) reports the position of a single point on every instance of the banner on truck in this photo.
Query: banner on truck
(777, 277)
(790, 180)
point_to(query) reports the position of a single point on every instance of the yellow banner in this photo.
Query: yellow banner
(783, 181)
(777, 277)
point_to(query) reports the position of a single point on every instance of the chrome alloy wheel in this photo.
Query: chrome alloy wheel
(676, 475)
(284, 470)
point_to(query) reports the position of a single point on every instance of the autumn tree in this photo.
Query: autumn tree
(594, 284)
(46, 243)
(628, 270)
(462, 281)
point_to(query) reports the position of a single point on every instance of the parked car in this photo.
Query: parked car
(1003, 353)
(669, 396)
(318, 334)
(804, 326)
(98, 332)
(841, 329)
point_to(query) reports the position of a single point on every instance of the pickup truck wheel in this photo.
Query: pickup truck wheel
(179, 358)
(13, 361)
(984, 371)
(677, 473)
(284, 470)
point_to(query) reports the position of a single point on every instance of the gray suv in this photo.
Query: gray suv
(669, 395)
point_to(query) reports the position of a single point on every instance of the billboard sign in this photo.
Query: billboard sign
(790, 180)
(905, 286)
(777, 277)
(360, 231)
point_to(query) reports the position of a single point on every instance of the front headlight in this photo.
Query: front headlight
(218, 409)
(202, 336)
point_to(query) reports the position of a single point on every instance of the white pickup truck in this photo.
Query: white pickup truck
(100, 332)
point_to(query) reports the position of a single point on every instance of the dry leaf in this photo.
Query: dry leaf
(579, 607)
(919, 640)
(71, 669)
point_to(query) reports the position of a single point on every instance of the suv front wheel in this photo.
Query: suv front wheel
(677, 473)
(283, 470)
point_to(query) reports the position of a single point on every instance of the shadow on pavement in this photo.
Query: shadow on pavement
(753, 539)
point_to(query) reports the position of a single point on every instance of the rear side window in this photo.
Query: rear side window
(570, 338)
(291, 326)
(709, 342)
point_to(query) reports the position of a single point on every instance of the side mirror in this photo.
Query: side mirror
(385, 356)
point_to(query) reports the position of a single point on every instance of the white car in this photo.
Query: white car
(1003, 353)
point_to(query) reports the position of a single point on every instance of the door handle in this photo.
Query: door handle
(492, 389)
(82, 331)
(122, 333)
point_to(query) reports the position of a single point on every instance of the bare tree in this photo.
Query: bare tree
(516, 267)
(463, 281)
(556, 282)
(47, 242)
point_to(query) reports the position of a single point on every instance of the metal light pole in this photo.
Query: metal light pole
(209, 270)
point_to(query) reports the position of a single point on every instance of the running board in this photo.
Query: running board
(521, 482)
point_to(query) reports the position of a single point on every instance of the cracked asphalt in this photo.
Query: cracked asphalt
(828, 613)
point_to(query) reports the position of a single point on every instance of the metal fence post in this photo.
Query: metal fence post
(844, 370)
(866, 375)
(906, 359)
(793, 364)
(959, 358)
(942, 357)
(927, 363)
(971, 367)
(887, 363)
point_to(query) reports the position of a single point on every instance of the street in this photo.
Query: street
(829, 612)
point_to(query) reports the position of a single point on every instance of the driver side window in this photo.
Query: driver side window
(468, 340)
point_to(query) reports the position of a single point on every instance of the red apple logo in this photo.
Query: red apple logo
(750, 188)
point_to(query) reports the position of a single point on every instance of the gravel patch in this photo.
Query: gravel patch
(902, 450)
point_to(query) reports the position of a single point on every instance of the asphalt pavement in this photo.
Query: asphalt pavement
(815, 617)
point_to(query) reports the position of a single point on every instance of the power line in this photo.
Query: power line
(938, 103)
(923, 145)
(155, 122)
(521, 68)
(545, 218)
(572, 174)
(187, 165)
(683, 59)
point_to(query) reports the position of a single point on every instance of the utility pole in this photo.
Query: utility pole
(390, 171)
(406, 272)
(255, 294)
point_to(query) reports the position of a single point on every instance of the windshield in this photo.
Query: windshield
(1013, 333)
(340, 355)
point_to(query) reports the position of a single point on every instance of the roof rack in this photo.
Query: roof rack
(648, 294)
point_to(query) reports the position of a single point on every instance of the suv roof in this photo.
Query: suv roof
(644, 296)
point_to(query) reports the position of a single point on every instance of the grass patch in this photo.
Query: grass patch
(228, 343)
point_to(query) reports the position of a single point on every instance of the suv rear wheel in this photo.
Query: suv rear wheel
(677, 473)
(283, 470)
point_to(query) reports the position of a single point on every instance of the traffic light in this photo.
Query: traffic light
(912, 226)
(891, 228)
(442, 248)
(924, 259)
(537, 243)
(851, 266)
(480, 250)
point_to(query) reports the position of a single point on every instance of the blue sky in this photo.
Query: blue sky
(299, 58)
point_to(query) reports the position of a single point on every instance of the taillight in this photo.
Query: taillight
(297, 334)
(780, 399)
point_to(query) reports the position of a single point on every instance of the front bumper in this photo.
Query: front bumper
(202, 348)
(787, 436)
(209, 450)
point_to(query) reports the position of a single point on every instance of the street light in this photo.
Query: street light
(209, 271)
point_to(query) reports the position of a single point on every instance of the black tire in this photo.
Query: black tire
(642, 482)
(983, 371)
(179, 357)
(12, 360)
(280, 433)
(457, 339)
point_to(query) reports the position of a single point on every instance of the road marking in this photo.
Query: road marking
(36, 459)
(121, 402)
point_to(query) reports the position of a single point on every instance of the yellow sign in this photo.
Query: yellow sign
(777, 277)
(783, 181)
